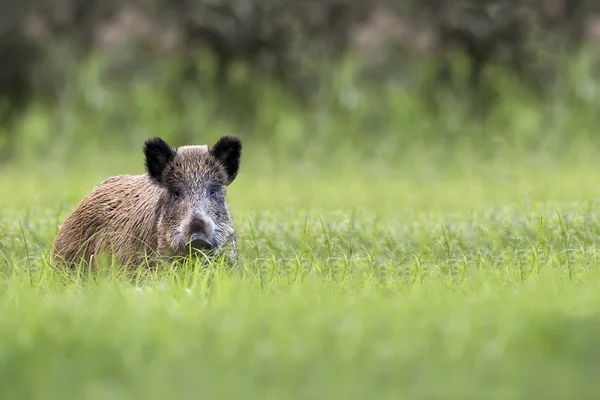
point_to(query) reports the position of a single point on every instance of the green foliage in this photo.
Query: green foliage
(385, 122)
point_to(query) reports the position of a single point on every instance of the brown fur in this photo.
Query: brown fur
(155, 214)
(117, 214)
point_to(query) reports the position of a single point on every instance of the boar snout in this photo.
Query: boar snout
(199, 241)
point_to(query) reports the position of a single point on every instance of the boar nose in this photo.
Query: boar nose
(199, 241)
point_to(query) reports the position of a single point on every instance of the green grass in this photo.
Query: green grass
(385, 251)
(443, 285)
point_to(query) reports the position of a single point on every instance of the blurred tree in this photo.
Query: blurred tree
(283, 39)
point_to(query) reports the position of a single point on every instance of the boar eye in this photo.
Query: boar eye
(214, 192)
(176, 193)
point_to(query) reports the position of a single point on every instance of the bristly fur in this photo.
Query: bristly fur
(183, 194)
(228, 151)
(158, 154)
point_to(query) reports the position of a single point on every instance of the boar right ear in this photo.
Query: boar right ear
(228, 151)
(158, 155)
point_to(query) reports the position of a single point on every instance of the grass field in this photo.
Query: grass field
(481, 285)
(383, 253)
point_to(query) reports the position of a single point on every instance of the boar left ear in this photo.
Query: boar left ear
(228, 151)
(158, 155)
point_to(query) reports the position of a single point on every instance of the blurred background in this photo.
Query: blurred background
(316, 82)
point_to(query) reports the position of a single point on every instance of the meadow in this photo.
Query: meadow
(375, 259)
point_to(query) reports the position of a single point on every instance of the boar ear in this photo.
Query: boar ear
(158, 155)
(228, 151)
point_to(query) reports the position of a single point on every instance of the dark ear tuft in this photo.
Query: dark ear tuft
(228, 151)
(158, 155)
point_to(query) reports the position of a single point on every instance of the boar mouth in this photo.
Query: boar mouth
(199, 245)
